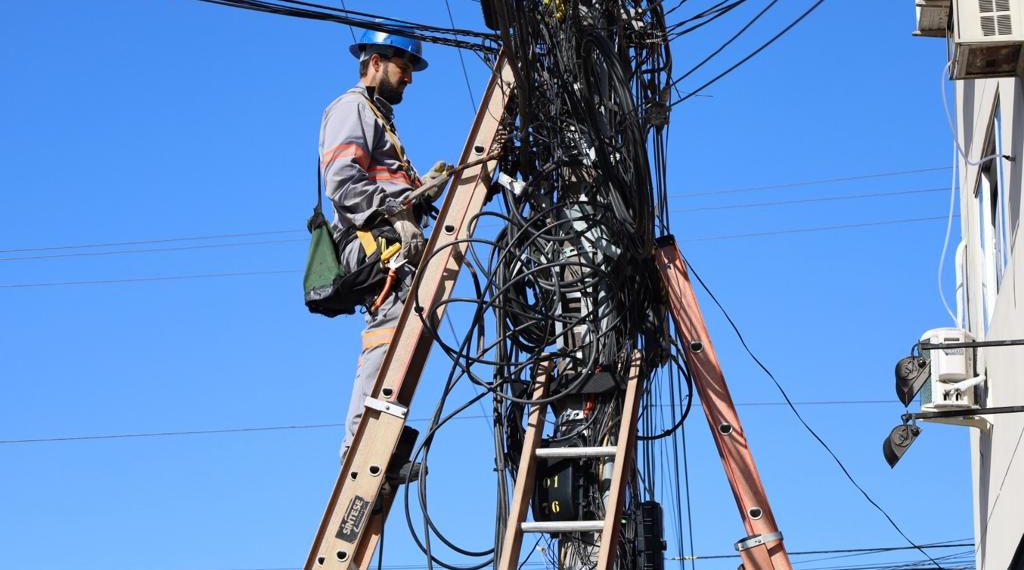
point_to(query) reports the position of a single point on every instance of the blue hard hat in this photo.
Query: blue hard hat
(389, 44)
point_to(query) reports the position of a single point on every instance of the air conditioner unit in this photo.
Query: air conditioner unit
(932, 18)
(987, 39)
(952, 381)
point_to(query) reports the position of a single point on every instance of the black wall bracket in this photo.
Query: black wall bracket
(964, 413)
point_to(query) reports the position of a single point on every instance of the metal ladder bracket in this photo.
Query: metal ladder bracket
(386, 407)
(752, 541)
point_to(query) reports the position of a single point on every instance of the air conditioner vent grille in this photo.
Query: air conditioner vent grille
(988, 25)
(1004, 25)
(996, 17)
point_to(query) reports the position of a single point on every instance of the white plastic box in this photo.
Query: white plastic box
(948, 366)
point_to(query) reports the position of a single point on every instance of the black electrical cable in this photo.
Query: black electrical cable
(152, 250)
(152, 241)
(462, 61)
(751, 55)
(726, 44)
(686, 410)
(675, 33)
(352, 30)
(306, 10)
(799, 417)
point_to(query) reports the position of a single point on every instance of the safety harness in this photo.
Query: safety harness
(330, 289)
(389, 131)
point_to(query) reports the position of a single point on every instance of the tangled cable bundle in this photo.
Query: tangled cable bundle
(568, 279)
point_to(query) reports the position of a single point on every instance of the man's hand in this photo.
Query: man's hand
(410, 233)
(435, 179)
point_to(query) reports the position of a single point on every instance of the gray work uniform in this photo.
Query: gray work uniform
(364, 170)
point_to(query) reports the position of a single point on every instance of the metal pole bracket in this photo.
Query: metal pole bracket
(386, 407)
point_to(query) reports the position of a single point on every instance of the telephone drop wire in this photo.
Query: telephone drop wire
(751, 55)
(462, 61)
(152, 241)
(799, 417)
(814, 182)
(726, 44)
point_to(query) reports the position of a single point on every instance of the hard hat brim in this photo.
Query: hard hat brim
(418, 63)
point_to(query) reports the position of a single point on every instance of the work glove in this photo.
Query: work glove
(410, 233)
(436, 179)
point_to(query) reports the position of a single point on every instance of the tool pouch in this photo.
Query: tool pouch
(332, 289)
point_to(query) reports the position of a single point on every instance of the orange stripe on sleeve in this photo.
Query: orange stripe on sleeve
(344, 151)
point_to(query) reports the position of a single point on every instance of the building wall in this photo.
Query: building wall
(997, 453)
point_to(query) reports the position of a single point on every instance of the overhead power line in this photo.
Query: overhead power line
(205, 237)
(218, 431)
(726, 44)
(462, 62)
(302, 240)
(877, 550)
(708, 17)
(799, 417)
(128, 280)
(151, 241)
(816, 229)
(488, 42)
(751, 55)
(148, 279)
(168, 433)
(814, 182)
(153, 250)
(540, 563)
(351, 30)
(809, 200)
(957, 561)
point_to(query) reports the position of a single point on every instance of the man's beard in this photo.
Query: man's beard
(388, 91)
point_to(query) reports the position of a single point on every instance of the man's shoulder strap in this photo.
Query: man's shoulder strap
(389, 130)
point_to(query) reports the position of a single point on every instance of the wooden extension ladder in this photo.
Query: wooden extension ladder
(354, 519)
(622, 454)
(762, 547)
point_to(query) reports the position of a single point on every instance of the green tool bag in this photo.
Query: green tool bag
(330, 289)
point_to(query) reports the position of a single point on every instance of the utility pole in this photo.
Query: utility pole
(580, 291)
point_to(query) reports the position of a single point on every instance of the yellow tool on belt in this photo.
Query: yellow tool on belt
(387, 255)
(370, 247)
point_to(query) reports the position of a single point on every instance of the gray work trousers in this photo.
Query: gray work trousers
(376, 337)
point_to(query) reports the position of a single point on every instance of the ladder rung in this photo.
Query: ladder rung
(576, 452)
(562, 526)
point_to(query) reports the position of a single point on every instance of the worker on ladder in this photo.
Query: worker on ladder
(368, 178)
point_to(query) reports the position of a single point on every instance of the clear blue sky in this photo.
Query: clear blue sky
(128, 121)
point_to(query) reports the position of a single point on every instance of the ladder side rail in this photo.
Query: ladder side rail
(768, 553)
(374, 533)
(442, 261)
(512, 542)
(339, 538)
(467, 182)
(625, 455)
